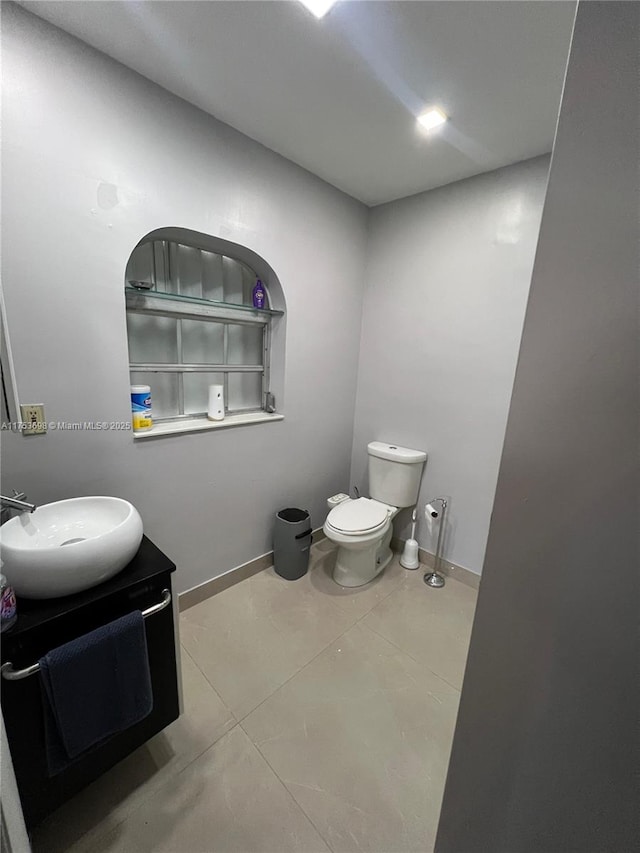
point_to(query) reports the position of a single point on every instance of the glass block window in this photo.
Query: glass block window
(190, 324)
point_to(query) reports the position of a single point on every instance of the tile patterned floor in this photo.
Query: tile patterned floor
(316, 719)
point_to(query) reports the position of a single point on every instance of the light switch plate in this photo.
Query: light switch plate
(32, 415)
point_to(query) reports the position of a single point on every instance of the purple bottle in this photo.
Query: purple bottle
(259, 295)
(8, 615)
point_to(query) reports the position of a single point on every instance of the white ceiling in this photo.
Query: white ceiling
(339, 96)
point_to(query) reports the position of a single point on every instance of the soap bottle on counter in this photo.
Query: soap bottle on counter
(8, 609)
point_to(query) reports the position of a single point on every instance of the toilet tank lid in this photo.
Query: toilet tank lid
(395, 453)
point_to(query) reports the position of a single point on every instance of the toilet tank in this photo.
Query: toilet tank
(394, 473)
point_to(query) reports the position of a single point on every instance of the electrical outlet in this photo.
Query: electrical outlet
(32, 415)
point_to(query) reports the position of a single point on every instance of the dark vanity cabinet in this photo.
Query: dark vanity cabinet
(44, 625)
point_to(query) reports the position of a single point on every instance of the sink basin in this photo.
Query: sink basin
(68, 546)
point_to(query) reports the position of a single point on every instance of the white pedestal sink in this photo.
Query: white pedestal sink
(69, 546)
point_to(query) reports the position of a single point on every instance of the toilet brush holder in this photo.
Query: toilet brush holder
(409, 558)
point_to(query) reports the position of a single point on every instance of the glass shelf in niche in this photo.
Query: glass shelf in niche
(197, 300)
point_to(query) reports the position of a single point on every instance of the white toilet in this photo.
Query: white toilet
(362, 528)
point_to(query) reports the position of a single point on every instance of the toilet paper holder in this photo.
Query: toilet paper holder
(434, 579)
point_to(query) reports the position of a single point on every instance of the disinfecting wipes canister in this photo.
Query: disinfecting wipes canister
(141, 407)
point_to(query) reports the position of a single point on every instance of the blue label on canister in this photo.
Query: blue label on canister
(141, 402)
(141, 407)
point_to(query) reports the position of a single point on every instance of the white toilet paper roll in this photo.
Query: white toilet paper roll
(215, 409)
(432, 526)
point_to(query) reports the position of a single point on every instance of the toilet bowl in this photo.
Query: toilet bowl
(362, 530)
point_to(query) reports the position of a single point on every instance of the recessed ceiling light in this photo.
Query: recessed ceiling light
(318, 7)
(433, 117)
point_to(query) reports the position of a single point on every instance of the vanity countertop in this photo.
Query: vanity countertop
(147, 563)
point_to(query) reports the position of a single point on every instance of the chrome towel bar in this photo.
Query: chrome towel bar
(12, 674)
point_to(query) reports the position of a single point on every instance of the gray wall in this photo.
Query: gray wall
(73, 120)
(447, 277)
(447, 283)
(545, 754)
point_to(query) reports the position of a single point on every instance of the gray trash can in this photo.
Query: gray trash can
(291, 543)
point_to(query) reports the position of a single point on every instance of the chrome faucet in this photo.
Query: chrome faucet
(17, 501)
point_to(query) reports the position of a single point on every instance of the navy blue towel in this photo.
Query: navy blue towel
(94, 687)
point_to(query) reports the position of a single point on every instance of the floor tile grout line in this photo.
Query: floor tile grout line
(297, 672)
(384, 597)
(414, 659)
(304, 666)
(355, 624)
(145, 799)
(285, 786)
(204, 675)
(324, 649)
(240, 719)
(170, 779)
(235, 723)
(344, 611)
(228, 731)
(421, 663)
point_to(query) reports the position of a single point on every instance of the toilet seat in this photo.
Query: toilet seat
(358, 517)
